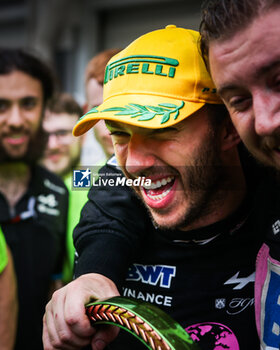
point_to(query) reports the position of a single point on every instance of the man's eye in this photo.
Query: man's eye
(63, 132)
(119, 133)
(29, 103)
(239, 103)
(276, 83)
(3, 106)
(165, 131)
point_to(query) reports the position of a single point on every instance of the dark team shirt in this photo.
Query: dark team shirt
(204, 278)
(35, 232)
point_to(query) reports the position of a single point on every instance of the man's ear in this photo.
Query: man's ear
(229, 136)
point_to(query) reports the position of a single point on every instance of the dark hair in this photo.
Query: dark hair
(64, 103)
(17, 59)
(96, 66)
(223, 18)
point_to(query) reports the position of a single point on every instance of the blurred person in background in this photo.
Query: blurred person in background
(8, 297)
(62, 155)
(33, 201)
(63, 150)
(94, 78)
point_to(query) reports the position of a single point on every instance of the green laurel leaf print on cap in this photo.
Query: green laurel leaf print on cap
(93, 110)
(147, 112)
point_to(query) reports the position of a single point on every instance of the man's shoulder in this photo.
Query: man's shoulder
(52, 199)
(47, 181)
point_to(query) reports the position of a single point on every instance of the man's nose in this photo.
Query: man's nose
(266, 113)
(52, 141)
(140, 155)
(15, 118)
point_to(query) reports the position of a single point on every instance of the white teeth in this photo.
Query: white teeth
(160, 196)
(159, 183)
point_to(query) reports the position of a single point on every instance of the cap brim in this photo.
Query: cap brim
(146, 111)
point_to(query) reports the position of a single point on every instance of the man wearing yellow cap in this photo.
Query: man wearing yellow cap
(197, 260)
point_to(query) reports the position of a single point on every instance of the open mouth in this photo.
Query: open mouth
(53, 156)
(159, 192)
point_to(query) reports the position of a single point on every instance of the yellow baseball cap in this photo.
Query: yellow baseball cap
(155, 82)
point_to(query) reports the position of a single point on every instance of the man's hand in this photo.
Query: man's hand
(66, 326)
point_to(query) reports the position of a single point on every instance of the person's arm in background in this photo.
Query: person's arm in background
(8, 303)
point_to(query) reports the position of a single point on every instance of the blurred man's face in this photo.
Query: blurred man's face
(95, 98)
(94, 93)
(63, 149)
(246, 70)
(21, 105)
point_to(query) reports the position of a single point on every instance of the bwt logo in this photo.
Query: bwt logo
(82, 178)
(152, 274)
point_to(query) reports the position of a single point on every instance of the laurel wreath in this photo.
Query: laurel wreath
(131, 322)
(148, 323)
(145, 113)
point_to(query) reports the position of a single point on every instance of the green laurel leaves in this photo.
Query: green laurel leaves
(145, 113)
(93, 110)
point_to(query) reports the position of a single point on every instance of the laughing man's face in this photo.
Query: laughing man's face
(179, 161)
(246, 71)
